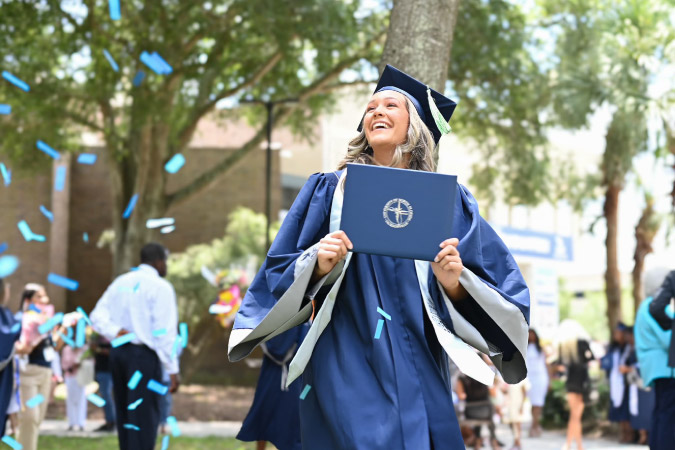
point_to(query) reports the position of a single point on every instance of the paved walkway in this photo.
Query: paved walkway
(548, 441)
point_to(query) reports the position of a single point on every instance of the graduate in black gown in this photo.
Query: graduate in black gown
(393, 391)
(274, 415)
(10, 330)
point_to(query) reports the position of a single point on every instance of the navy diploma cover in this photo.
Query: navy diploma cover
(398, 212)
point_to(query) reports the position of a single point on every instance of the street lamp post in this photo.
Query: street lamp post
(269, 106)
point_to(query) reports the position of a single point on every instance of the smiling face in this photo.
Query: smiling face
(386, 120)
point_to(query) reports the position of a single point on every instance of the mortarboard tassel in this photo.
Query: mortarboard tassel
(441, 123)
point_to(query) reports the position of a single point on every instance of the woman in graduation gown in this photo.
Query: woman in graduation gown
(392, 392)
(274, 414)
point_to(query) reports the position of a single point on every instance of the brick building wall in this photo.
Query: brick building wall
(198, 220)
(21, 200)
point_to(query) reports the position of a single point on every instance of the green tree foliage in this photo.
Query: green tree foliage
(242, 246)
(607, 53)
(218, 49)
(503, 89)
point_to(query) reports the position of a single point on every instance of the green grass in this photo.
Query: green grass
(110, 443)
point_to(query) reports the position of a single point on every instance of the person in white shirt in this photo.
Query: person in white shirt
(141, 306)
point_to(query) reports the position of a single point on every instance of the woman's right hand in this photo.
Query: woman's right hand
(333, 248)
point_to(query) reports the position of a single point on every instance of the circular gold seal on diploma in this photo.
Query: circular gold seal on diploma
(397, 213)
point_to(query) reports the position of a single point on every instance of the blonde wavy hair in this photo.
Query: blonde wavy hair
(568, 335)
(419, 145)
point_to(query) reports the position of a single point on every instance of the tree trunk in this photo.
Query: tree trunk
(645, 231)
(419, 39)
(146, 159)
(612, 274)
(204, 334)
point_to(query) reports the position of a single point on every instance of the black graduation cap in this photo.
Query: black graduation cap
(434, 108)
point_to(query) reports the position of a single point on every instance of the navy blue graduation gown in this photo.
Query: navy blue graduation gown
(392, 392)
(10, 329)
(274, 415)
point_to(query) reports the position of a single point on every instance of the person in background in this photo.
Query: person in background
(614, 363)
(57, 375)
(653, 335)
(478, 406)
(537, 373)
(515, 405)
(274, 415)
(574, 354)
(100, 347)
(10, 330)
(166, 402)
(71, 360)
(37, 373)
(640, 400)
(138, 303)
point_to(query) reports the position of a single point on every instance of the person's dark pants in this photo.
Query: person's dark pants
(124, 361)
(105, 388)
(662, 436)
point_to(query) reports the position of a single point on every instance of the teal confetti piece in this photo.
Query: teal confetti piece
(51, 323)
(8, 265)
(86, 158)
(60, 178)
(84, 315)
(42, 146)
(67, 340)
(15, 81)
(115, 12)
(28, 235)
(173, 424)
(96, 400)
(138, 79)
(378, 331)
(161, 63)
(305, 391)
(59, 280)
(124, 339)
(156, 386)
(15, 328)
(175, 163)
(70, 332)
(81, 334)
(384, 314)
(183, 328)
(134, 380)
(130, 426)
(130, 207)
(85, 237)
(5, 109)
(6, 174)
(3, 247)
(135, 404)
(12, 443)
(47, 213)
(33, 402)
(149, 61)
(165, 442)
(111, 60)
(160, 332)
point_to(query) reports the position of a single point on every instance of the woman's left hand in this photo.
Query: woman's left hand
(448, 267)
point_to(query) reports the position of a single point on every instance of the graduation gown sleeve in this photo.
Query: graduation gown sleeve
(279, 297)
(495, 317)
